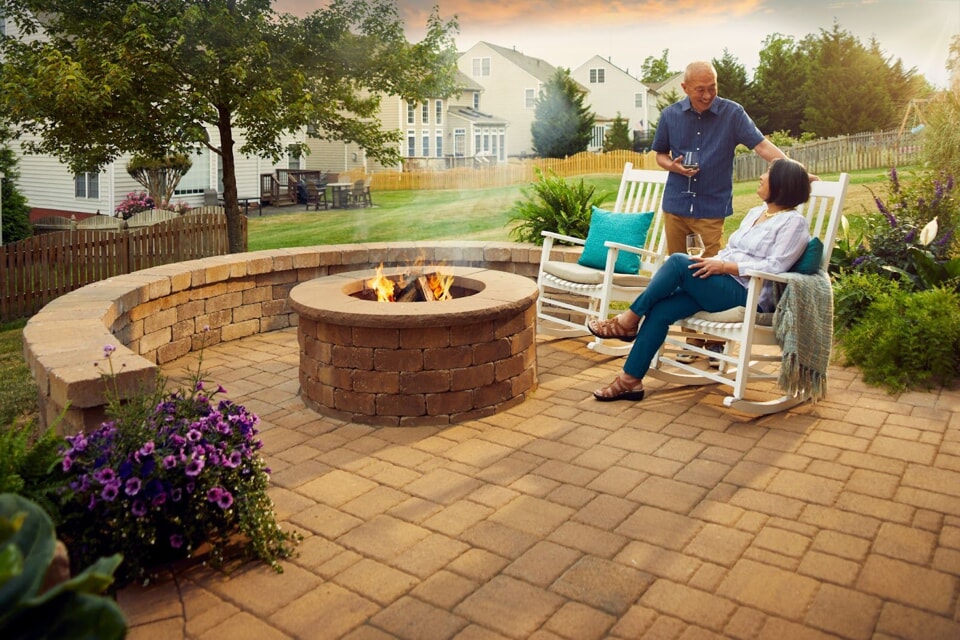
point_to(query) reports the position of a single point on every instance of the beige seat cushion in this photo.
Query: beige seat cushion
(573, 272)
(736, 314)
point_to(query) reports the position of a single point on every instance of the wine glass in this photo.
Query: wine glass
(691, 160)
(695, 246)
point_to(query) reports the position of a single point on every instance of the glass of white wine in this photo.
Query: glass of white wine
(695, 246)
(691, 160)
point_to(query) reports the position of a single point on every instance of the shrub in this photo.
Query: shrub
(160, 479)
(907, 340)
(552, 204)
(853, 293)
(133, 204)
(28, 464)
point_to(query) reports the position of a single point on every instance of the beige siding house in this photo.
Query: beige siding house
(611, 91)
(511, 83)
(435, 134)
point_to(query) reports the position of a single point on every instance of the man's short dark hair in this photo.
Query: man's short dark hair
(789, 183)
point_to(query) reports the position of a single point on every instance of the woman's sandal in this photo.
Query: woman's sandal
(620, 391)
(610, 329)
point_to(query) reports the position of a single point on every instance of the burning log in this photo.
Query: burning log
(409, 293)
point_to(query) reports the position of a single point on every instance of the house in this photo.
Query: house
(664, 94)
(52, 189)
(436, 134)
(612, 91)
(511, 82)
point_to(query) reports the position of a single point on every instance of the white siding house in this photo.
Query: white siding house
(613, 91)
(511, 83)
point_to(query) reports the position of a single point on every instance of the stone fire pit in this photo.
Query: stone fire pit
(416, 363)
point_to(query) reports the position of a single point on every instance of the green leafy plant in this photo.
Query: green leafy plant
(28, 464)
(853, 293)
(162, 479)
(71, 609)
(907, 340)
(553, 204)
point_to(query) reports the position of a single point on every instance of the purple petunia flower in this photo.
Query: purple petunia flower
(147, 448)
(194, 467)
(176, 540)
(225, 500)
(105, 476)
(234, 460)
(194, 435)
(138, 508)
(159, 499)
(132, 487)
(169, 462)
(67, 463)
(213, 494)
(110, 491)
(176, 494)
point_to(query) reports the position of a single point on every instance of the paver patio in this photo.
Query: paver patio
(568, 518)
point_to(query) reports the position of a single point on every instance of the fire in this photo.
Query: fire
(440, 285)
(382, 285)
(432, 286)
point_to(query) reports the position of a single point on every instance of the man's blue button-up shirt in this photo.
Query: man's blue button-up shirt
(715, 134)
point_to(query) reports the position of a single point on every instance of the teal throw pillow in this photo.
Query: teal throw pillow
(626, 228)
(809, 262)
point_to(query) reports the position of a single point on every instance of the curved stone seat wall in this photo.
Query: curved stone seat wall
(157, 315)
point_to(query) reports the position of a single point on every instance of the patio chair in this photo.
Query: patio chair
(355, 196)
(622, 249)
(316, 195)
(752, 350)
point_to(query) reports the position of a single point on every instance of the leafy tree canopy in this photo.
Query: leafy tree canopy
(145, 77)
(563, 124)
(732, 78)
(655, 70)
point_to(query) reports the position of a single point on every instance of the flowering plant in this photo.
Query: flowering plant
(134, 203)
(180, 207)
(170, 473)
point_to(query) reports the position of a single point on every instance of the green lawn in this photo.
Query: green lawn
(475, 214)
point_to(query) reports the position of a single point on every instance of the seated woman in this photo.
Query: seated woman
(771, 238)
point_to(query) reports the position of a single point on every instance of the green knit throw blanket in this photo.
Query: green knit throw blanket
(803, 325)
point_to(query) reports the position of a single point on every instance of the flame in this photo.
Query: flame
(382, 285)
(440, 284)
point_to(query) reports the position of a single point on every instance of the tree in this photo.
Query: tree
(848, 87)
(732, 79)
(562, 124)
(778, 86)
(148, 78)
(618, 136)
(159, 176)
(13, 205)
(655, 70)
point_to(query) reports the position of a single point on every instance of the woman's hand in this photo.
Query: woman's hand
(706, 267)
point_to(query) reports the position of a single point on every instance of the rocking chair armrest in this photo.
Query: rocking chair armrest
(653, 256)
(765, 275)
(563, 238)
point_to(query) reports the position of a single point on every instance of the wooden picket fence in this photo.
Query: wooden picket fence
(845, 153)
(37, 270)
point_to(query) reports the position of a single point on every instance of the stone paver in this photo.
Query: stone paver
(565, 518)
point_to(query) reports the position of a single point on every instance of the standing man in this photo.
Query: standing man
(698, 200)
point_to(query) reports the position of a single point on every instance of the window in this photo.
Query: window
(293, 159)
(599, 132)
(486, 141)
(477, 149)
(439, 137)
(411, 113)
(197, 179)
(529, 98)
(460, 142)
(426, 144)
(439, 109)
(597, 76)
(411, 144)
(476, 101)
(638, 100)
(86, 185)
(481, 67)
(425, 113)
(503, 143)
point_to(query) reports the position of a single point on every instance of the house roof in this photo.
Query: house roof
(466, 83)
(539, 69)
(468, 113)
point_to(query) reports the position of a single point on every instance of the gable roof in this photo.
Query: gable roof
(539, 69)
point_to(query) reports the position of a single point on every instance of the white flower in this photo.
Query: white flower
(929, 232)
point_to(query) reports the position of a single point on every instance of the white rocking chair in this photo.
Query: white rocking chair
(744, 328)
(571, 294)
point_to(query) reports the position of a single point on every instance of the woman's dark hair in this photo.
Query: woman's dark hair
(789, 183)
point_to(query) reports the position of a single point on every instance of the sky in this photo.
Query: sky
(567, 33)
